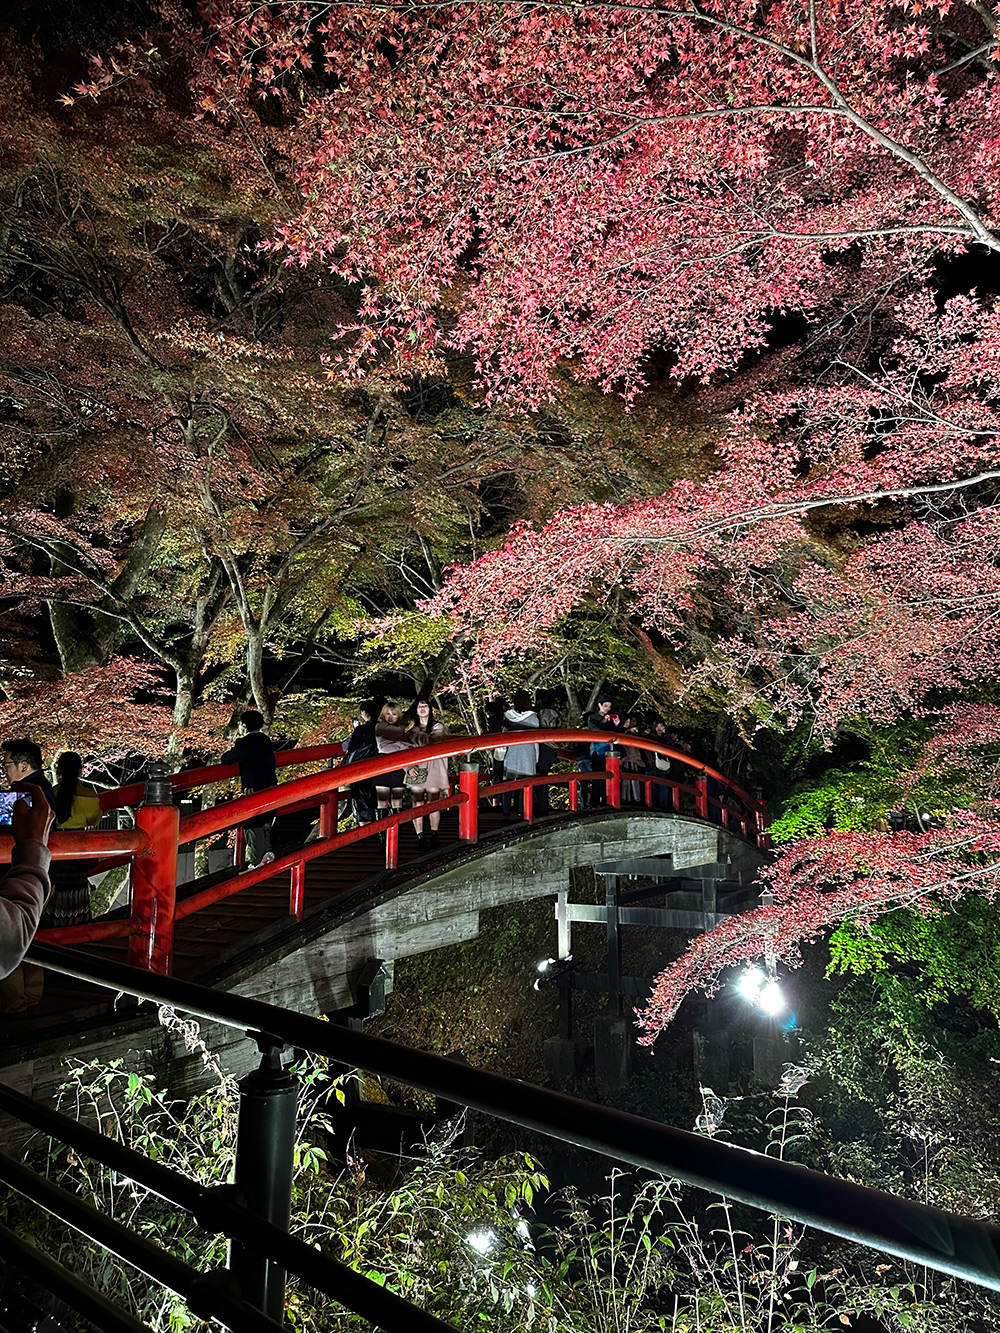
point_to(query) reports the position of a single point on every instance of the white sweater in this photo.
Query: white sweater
(521, 759)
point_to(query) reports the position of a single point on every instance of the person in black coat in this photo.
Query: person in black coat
(254, 754)
(362, 744)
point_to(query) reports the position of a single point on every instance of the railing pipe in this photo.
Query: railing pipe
(67, 1287)
(215, 1211)
(202, 777)
(918, 1233)
(206, 1294)
(154, 879)
(73, 845)
(468, 811)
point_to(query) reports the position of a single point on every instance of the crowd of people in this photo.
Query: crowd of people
(384, 728)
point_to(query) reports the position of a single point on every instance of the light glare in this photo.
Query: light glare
(751, 984)
(480, 1241)
(771, 999)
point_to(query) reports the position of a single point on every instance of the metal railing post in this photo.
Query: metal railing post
(154, 877)
(613, 786)
(468, 812)
(265, 1151)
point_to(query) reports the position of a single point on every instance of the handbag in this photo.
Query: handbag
(415, 775)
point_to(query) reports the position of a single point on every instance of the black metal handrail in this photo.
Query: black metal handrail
(215, 1209)
(961, 1247)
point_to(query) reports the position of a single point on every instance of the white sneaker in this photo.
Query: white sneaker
(267, 858)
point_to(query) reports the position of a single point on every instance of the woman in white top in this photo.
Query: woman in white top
(520, 760)
(427, 779)
(391, 738)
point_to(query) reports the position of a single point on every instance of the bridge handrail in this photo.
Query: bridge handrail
(204, 823)
(962, 1247)
(161, 831)
(131, 794)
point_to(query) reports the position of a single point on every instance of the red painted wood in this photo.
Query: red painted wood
(613, 787)
(297, 890)
(154, 890)
(468, 811)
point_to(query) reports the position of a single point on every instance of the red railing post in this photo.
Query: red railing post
(154, 878)
(329, 812)
(613, 786)
(468, 811)
(574, 794)
(297, 890)
(648, 793)
(529, 804)
(678, 799)
(701, 796)
(392, 847)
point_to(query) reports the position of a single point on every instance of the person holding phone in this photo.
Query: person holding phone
(23, 891)
(22, 763)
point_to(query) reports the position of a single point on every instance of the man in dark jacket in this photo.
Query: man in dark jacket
(254, 754)
(22, 762)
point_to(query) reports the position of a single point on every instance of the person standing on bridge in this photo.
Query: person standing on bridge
(520, 761)
(427, 779)
(77, 806)
(659, 766)
(23, 891)
(392, 738)
(254, 754)
(605, 719)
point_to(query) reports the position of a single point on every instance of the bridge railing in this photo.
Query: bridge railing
(250, 1296)
(161, 830)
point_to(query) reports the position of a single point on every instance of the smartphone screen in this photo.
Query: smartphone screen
(7, 799)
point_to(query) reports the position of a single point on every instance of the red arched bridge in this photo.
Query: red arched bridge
(249, 1295)
(152, 847)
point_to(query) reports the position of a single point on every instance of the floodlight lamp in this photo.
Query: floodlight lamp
(751, 984)
(770, 1000)
(545, 964)
(480, 1241)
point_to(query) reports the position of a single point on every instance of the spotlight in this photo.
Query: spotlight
(751, 983)
(770, 999)
(551, 969)
(480, 1241)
